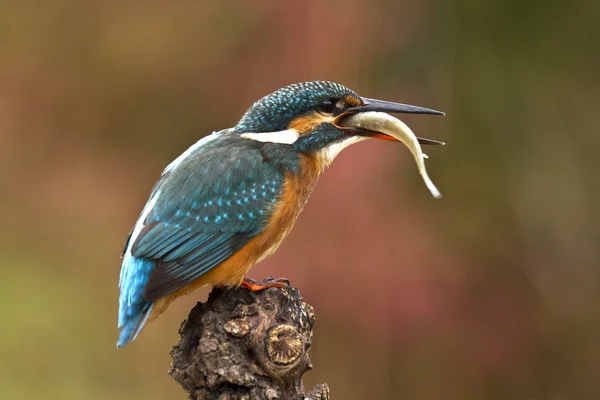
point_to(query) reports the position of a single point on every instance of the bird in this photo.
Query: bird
(230, 199)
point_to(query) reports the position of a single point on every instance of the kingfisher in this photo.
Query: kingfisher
(229, 200)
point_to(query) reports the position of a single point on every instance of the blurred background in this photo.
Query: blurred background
(492, 292)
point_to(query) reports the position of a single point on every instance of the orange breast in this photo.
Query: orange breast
(231, 272)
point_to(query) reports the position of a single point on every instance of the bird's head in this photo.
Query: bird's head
(308, 117)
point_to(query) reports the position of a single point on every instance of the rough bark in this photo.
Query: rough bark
(246, 345)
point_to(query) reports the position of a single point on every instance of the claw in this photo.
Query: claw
(255, 286)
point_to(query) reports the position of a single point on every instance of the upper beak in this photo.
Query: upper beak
(391, 107)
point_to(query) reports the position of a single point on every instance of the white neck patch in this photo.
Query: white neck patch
(288, 136)
(328, 154)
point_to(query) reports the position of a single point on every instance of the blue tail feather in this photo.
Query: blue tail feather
(133, 308)
(133, 325)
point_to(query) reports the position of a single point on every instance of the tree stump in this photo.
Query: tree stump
(246, 345)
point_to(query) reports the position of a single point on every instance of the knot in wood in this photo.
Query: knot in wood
(237, 327)
(283, 345)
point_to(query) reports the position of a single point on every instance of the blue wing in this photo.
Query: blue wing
(201, 211)
(206, 210)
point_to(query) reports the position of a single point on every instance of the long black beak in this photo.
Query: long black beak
(390, 107)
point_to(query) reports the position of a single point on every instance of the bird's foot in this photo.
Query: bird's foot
(255, 286)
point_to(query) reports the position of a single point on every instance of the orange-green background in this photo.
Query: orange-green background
(490, 293)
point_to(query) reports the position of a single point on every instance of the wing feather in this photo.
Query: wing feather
(207, 208)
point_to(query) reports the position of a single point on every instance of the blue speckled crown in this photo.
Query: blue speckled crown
(275, 111)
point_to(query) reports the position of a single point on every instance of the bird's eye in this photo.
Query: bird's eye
(327, 106)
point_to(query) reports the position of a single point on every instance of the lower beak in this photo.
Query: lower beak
(424, 141)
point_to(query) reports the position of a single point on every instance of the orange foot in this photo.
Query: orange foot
(255, 286)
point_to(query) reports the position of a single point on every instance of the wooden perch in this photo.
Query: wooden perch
(246, 345)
